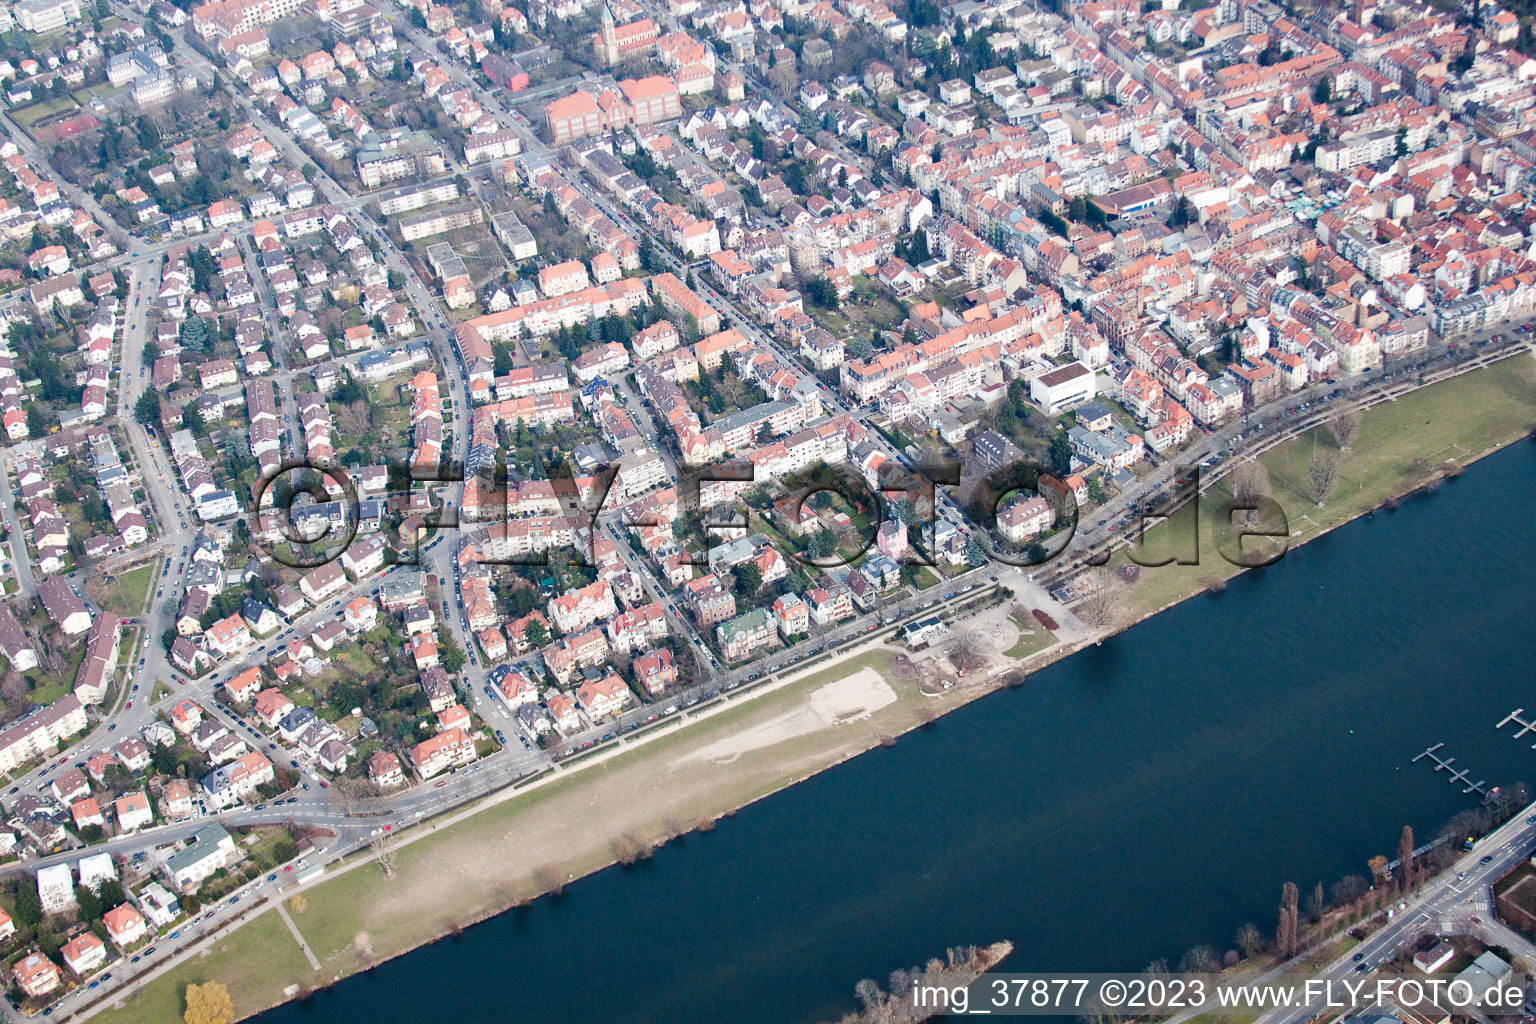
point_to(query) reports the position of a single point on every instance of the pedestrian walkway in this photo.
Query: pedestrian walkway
(298, 937)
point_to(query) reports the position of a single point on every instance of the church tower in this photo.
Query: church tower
(610, 39)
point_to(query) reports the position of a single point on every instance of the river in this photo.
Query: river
(1133, 800)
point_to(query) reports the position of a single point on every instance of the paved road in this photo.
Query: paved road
(1460, 893)
(16, 540)
(314, 805)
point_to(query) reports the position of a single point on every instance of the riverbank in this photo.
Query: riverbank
(642, 795)
(1403, 447)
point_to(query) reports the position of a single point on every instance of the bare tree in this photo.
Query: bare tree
(355, 418)
(1199, 960)
(384, 851)
(1316, 902)
(1405, 873)
(1100, 598)
(1345, 426)
(1323, 473)
(968, 649)
(1250, 482)
(1249, 940)
(352, 794)
(13, 686)
(783, 77)
(1286, 933)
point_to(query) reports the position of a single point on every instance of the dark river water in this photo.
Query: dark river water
(1132, 801)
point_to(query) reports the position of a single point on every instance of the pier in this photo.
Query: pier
(1455, 775)
(1525, 727)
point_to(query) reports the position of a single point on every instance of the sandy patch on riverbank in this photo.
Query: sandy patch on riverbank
(846, 700)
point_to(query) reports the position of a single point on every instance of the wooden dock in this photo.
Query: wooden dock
(1525, 727)
(1455, 775)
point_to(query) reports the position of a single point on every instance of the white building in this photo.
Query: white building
(42, 16)
(211, 848)
(1062, 388)
(95, 869)
(56, 888)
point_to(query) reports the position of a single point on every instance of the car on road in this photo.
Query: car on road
(1358, 957)
(1486, 859)
(272, 877)
(1362, 967)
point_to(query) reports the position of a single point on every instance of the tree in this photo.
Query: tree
(822, 544)
(209, 1003)
(783, 77)
(822, 292)
(1286, 934)
(88, 902)
(194, 333)
(1348, 889)
(1100, 600)
(1323, 473)
(384, 852)
(355, 418)
(1250, 485)
(1249, 940)
(449, 653)
(1181, 214)
(537, 634)
(147, 409)
(749, 579)
(968, 649)
(917, 249)
(350, 793)
(1199, 960)
(1061, 452)
(1405, 873)
(29, 905)
(1345, 427)
(1322, 92)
